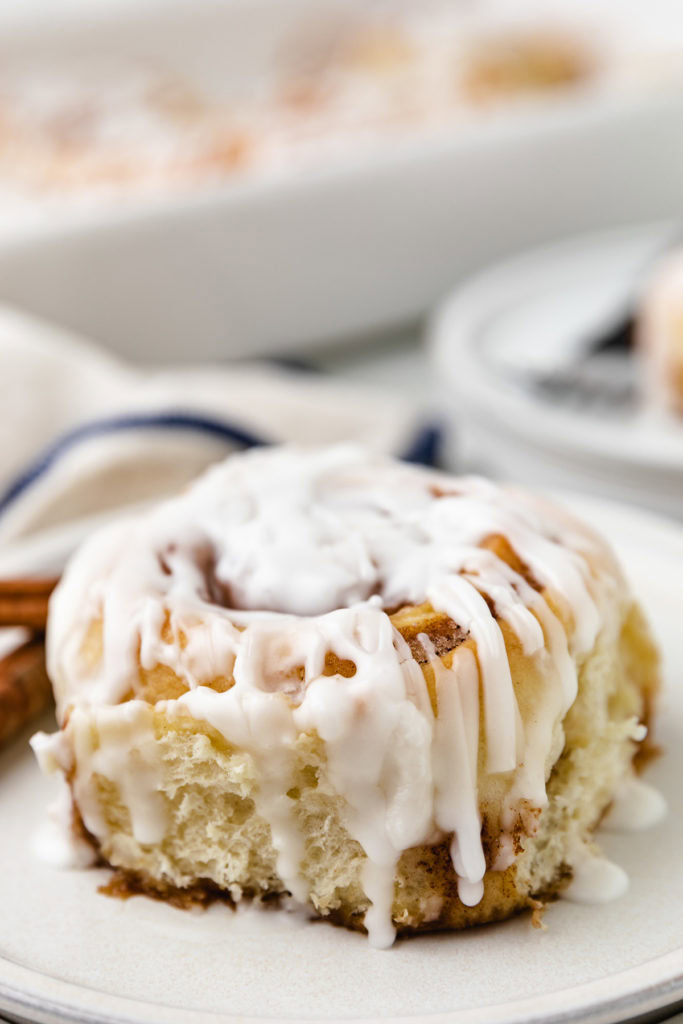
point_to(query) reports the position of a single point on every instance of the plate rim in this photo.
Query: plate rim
(656, 984)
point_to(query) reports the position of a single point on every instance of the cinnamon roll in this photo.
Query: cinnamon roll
(659, 333)
(401, 697)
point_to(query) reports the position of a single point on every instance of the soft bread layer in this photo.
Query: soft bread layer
(210, 791)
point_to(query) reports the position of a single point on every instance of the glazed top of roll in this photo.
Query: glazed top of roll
(276, 560)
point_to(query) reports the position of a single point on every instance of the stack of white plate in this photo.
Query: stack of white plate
(507, 346)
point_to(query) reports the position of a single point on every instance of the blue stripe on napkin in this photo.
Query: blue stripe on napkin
(425, 447)
(115, 424)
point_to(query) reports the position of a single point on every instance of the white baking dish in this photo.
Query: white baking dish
(271, 262)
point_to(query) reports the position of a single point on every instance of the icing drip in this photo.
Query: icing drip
(277, 558)
(57, 842)
(128, 756)
(265, 728)
(455, 750)
(635, 806)
(595, 879)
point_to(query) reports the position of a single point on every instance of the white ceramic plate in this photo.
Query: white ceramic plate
(68, 954)
(526, 317)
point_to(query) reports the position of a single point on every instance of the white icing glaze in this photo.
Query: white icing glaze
(456, 738)
(57, 842)
(595, 879)
(275, 558)
(636, 806)
(130, 758)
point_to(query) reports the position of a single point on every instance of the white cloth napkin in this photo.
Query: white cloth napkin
(83, 435)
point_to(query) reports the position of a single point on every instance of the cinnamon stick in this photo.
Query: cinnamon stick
(24, 687)
(23, 602)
